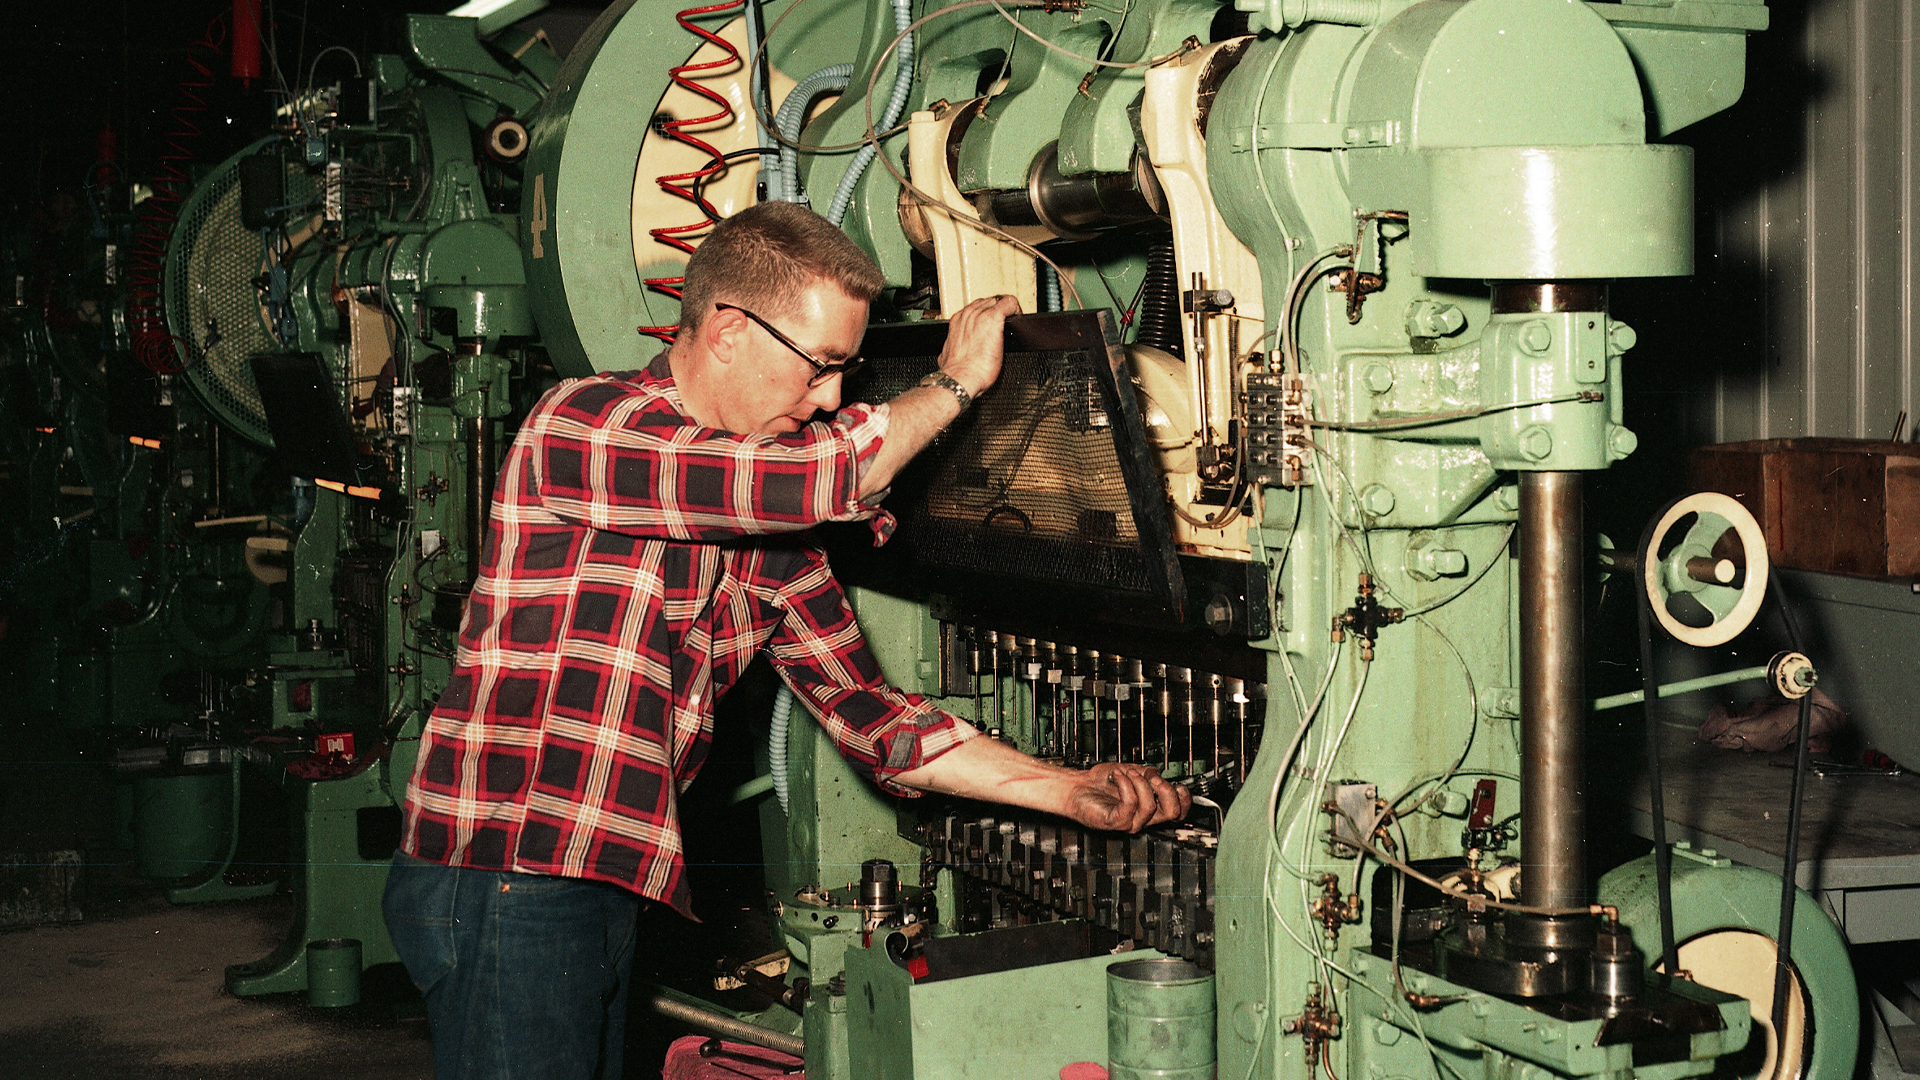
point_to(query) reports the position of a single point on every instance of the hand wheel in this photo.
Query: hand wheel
(1704, 565)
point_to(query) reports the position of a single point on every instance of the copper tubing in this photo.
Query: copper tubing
(1552, 656)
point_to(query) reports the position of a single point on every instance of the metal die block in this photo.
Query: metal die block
(1490, 1029)
(1020, 1021)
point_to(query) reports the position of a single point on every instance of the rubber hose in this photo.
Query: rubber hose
(1298, 13)
(777, 743)
(1049, 288)
(897, 104)
(793, 113)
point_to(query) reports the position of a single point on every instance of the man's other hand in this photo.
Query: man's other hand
(1108, 796)
(1126, 798)
(975, 342)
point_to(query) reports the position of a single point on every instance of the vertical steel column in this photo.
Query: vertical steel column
(1552, 657)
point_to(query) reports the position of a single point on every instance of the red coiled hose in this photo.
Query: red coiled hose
(684, 185)
(153, 346)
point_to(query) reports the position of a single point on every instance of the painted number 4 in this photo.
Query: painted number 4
(539, 222)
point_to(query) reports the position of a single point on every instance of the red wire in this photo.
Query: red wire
(682, 185)
(153, 346)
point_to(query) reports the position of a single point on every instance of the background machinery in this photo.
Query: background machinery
(1281, 492)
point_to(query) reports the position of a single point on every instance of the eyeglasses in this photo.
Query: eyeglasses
(822, 370)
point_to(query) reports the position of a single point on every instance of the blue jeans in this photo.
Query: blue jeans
(525, 976)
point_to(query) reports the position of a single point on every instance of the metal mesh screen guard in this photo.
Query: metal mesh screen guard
(1048, 477)
(212, 302)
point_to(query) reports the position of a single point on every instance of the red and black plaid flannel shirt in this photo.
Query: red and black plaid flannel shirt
(634, 564)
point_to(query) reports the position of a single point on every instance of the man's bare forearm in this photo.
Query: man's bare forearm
(917, 417)
(971, 358)
(1125, 798)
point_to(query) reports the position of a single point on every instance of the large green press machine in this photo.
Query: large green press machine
(1280, 491)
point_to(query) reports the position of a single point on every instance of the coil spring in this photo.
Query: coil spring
(685, 185)
(153, 346)
(1160, 300)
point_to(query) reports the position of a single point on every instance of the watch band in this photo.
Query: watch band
(947, 382)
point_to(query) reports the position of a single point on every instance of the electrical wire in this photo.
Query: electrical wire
(1503, 905)
(314, 67)
(762, 111)
(1296, 295)
(1473, 725)
(1401, 1000)
(927, 200)
(1405, 423)
(1070, 54)
(1491, 562)
(1346, 533)
(903, 72)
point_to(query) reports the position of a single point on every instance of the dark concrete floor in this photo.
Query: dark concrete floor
(114, 981)
(102, 979)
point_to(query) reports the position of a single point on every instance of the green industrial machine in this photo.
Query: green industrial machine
(346, 297)
(1280, 491)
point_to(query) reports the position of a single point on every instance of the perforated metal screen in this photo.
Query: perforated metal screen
(212, 303)
(1034, 482)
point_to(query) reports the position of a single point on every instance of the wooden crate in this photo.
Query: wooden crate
(1841, 506)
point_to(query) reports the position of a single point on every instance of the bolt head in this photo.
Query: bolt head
(1378, 500)
(1536, 337)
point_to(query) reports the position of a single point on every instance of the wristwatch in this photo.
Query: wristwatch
(947, 382)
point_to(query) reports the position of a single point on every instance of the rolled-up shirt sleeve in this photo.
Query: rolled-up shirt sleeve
(821, 653)
(616, 454)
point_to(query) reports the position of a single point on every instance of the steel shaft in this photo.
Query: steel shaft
(1552, 658)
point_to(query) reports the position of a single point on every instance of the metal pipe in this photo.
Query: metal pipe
(1684, 686)
(479, 485)
(718, 1023)
(1164, 694)
(1089, 665)
(217, 471)
(1553, 706)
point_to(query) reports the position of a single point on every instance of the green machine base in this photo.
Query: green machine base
(339, 884)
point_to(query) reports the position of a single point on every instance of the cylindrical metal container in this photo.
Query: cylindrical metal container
(180, 823)
(333, 972)
(1160, 1020)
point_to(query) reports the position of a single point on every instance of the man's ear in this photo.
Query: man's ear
(722, 330)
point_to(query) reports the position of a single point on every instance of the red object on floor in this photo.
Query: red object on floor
(731, 1062)
(1084, 1070)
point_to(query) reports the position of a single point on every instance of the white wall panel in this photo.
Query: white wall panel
(1807, 213)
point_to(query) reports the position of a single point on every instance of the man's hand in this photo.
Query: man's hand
(1126, 798)
(1108, 796)
(974, 342)
(972, 359)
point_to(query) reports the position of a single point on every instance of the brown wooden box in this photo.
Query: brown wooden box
(1842, 506)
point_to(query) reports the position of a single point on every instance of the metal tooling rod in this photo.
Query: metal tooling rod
(1552, 652)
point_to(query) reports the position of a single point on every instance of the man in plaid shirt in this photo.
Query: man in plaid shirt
(647, 538)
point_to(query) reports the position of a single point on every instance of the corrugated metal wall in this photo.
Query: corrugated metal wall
(1803, 307)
